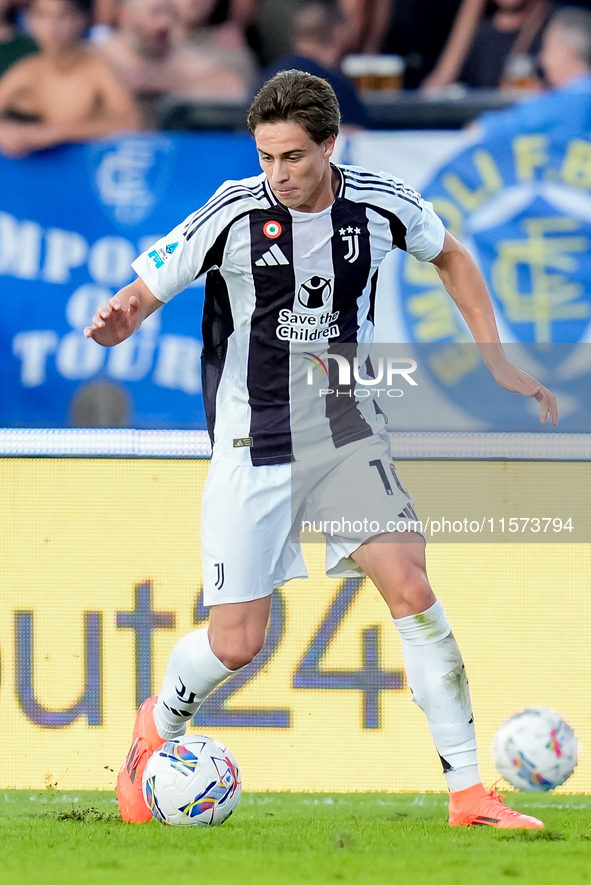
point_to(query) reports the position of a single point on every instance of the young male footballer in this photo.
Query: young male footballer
(296, 247)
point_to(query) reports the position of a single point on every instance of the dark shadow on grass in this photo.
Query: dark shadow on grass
(533, 836)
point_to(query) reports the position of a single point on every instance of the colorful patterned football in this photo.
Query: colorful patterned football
(192, 781)
(536, 750)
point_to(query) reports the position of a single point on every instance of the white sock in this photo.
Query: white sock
(437, 679)
(193, 672)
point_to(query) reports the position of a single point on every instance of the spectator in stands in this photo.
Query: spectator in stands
(13, 46)
(223, 45)
(272, 22)
(236, 19)
(268, 24)
(566, 62)
(152, 63)
(515, 28)
(415, 29)
(480, 48)
(318, 36)
(65, 93)
(456, 45)
(105, 17)
(368, 22)
(566, 50)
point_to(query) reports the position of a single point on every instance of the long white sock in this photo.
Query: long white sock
(193, 672)
(437, 678)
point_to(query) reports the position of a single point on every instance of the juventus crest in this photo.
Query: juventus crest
(219, 575)
(350, 236)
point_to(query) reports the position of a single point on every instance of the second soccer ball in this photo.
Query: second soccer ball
(536, 750)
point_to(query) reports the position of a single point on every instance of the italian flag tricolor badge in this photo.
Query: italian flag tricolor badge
(272, 229)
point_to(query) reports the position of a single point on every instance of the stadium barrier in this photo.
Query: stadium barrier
(101, 576)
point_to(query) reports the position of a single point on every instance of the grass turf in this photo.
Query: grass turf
(52, 838)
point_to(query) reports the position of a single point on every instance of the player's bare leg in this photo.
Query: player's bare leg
(199, 662)
(436, 674)
(237, 630)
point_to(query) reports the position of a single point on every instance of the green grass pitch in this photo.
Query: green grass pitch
(53, 838)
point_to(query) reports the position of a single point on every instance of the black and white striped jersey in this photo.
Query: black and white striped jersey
(282, 284)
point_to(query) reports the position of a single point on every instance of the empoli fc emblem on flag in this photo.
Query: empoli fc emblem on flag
(522, 208)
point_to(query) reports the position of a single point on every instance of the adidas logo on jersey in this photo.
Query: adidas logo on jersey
(272, 258)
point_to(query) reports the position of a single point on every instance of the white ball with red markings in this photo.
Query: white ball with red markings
(192, 781)
(536, 750)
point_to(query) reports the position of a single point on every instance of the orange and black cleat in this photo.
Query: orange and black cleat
(477, 807)
(145, 741)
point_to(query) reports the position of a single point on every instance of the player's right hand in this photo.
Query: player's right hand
(113, 323)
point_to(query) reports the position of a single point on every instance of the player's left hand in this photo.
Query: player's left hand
(513, 379)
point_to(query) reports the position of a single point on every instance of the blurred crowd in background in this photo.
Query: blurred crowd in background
(74, 70)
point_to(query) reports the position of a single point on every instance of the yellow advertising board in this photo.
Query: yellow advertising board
(100, 575)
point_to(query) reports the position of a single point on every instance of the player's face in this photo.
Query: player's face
(298, 169)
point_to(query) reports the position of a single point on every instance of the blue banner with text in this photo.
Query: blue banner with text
(72, 220)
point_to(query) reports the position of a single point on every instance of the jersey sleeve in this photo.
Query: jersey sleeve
(194, 246)
(172, 263)
(414, 225)
(425, 232)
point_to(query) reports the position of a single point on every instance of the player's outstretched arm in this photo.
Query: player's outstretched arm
(461, 277)
(123, 315)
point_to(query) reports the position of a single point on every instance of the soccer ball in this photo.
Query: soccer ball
(536, 750)
(192, 781)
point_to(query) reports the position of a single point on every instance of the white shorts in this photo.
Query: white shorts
(253, 516)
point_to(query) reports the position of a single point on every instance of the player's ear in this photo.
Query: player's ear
(329, 146)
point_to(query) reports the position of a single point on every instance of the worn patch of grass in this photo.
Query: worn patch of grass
(52, 838)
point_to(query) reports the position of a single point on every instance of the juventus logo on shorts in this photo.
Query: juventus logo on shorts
(350, 236)
(219, 575)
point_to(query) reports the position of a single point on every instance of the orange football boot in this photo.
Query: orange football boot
(145, 741)
(477, 807)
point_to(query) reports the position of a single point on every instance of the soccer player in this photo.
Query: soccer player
(300, 245)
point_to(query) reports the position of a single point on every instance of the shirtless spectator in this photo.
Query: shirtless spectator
(219, 44)
(13, 46)
(151, 62)
(65, 93)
